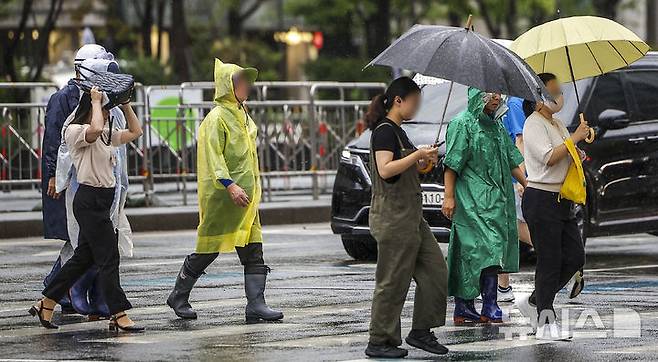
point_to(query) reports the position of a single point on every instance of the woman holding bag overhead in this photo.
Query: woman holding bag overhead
(92, 142)
(549, 211)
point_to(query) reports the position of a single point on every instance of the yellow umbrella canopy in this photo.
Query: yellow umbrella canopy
(579, 47)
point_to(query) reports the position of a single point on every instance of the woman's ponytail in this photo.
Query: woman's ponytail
(376, 111)
(380, 105)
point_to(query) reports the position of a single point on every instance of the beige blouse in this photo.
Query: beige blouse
(93, 162)
(540, 136)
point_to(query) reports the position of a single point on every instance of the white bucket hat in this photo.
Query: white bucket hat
(91, 51)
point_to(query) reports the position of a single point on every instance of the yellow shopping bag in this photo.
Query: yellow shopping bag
(574, 184)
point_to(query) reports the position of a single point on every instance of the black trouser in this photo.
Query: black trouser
(250, 254)
(97, 244)
(557, 242)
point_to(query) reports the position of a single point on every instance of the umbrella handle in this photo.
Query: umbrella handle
(592, 134)
(427, 168)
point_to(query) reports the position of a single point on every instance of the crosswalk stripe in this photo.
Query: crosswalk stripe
(495, 344)
(45, 360)
(234, 326)
(292, 314)
(226, 330)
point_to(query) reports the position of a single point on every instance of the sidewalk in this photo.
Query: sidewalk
(30, 223)
(171, 194)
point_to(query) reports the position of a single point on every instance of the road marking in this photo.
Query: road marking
(238, 318)
(649, 348)
(650, 266)
(65, 328)
(324, 341)
(21, 242)
(361, 338)
(234, 326)
(496, 344)
(227, 330)
(128, 264)
(46, 360)
(47, 253)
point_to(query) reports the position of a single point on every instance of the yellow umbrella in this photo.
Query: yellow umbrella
(579, 47)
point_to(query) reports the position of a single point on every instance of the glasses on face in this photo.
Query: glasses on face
(492, 96)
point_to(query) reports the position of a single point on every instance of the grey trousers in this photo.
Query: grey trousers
(400, 259)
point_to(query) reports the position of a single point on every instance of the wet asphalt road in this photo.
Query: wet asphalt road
(326, 299)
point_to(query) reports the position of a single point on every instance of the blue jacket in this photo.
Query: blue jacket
(60, 106)
(514, 120)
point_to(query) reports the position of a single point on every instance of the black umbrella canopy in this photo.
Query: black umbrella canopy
(466, 57)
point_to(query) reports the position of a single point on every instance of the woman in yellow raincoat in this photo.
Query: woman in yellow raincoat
(229, 193)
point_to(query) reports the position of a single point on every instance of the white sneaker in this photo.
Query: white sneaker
(552, 332)
(505, 296)
(527, 310)
(577, 283)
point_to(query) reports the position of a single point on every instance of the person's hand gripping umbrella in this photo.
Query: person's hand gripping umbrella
(579, 47)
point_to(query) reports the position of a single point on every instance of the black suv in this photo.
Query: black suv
(621, 167)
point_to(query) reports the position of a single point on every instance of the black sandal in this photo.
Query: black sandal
(37, 312)
(114, 326)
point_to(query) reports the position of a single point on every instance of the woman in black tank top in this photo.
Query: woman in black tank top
(406, 246)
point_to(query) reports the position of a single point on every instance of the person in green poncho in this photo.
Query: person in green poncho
(229, 193)
(479, 199)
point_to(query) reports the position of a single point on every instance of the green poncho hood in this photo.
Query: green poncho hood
(476, 105)
(224, 73)
(475, 101)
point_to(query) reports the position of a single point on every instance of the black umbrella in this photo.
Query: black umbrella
(463, 56)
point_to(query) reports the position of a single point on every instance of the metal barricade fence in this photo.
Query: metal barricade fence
(21, 133)
(299, 139)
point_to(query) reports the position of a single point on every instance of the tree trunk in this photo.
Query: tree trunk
(606, 8)
(494, 29)
(145, 17)
(44, 34)
(455, 19)
(115, 20)
(237, 17)
(510, 20)
(378, 29)
(234, 21)
(9, 52)
(179, 41)
(538, 16)
(160, 23)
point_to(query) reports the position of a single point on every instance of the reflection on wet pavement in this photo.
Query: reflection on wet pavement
(326, 300)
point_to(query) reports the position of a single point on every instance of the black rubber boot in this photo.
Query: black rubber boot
(179, 298)
(255, 278)
(385, 351)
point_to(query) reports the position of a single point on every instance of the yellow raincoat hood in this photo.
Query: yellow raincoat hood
(224, 73)
(226, 150)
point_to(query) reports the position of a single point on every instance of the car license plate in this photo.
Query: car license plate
(432, 198)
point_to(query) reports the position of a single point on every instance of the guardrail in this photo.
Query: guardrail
(300, 133)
